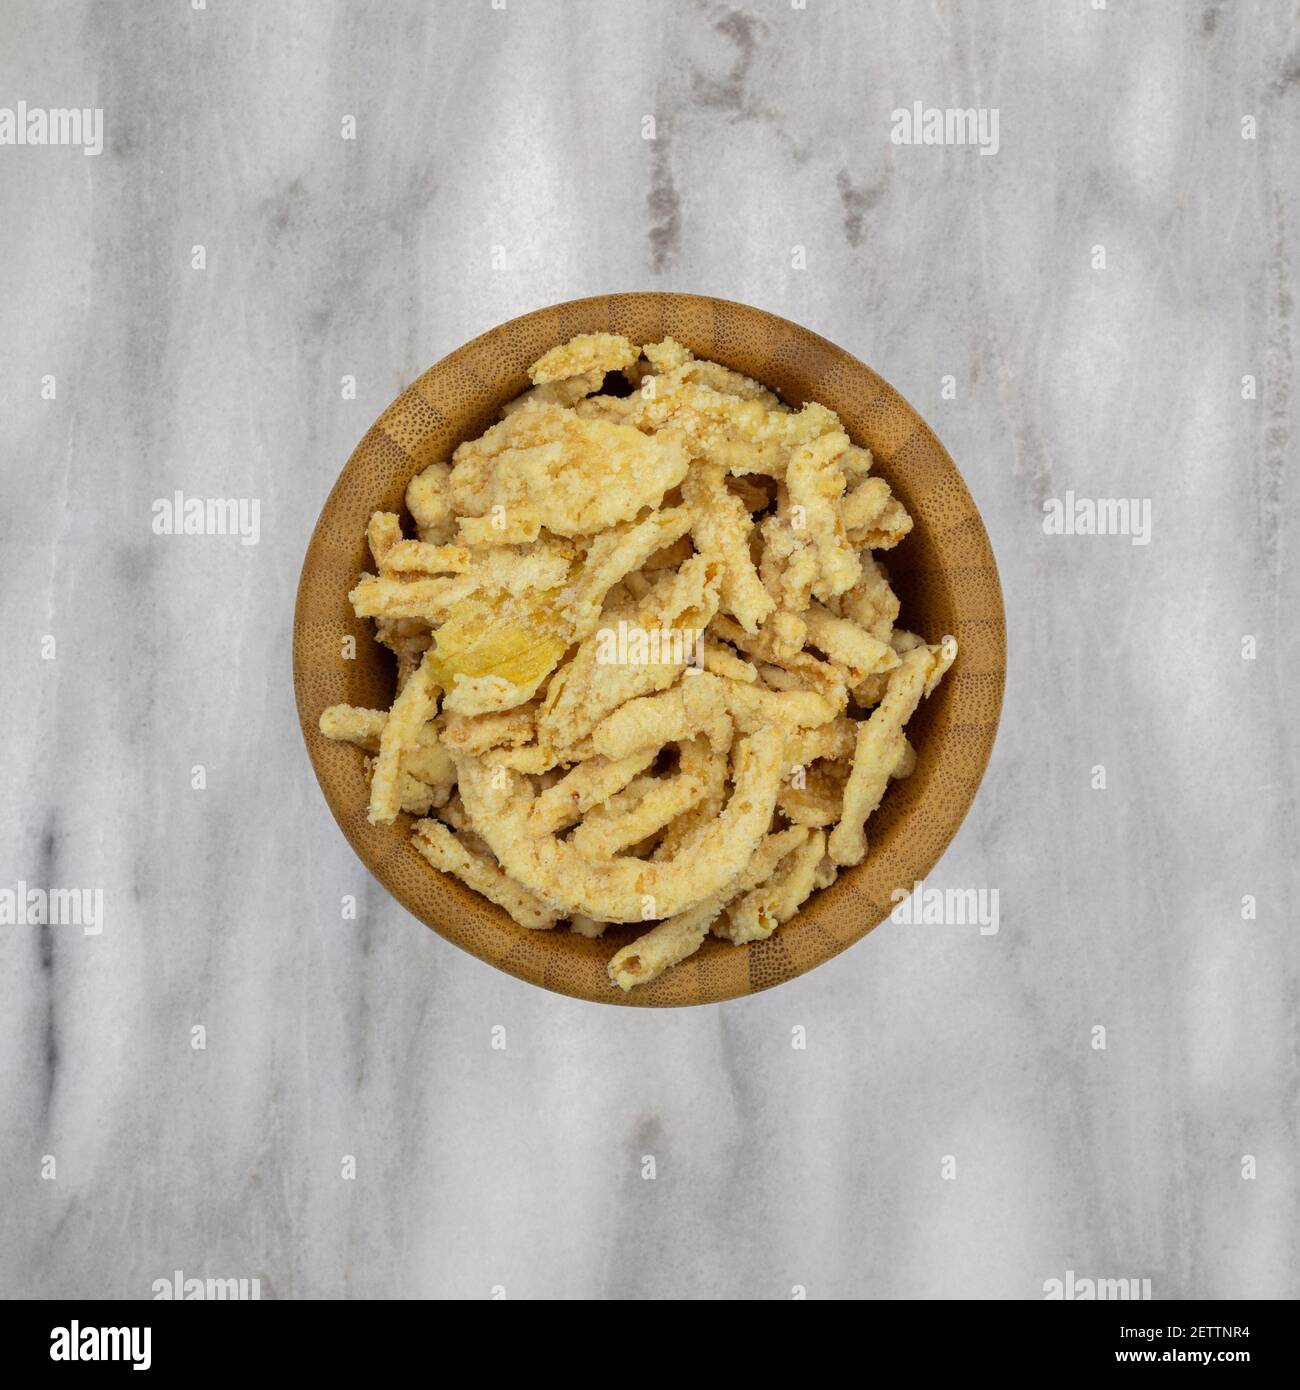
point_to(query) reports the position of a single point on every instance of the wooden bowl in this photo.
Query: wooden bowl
(944, 574)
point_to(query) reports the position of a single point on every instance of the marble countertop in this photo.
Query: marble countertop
(1104, 305)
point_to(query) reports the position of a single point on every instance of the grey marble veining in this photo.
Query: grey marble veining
(499, 165)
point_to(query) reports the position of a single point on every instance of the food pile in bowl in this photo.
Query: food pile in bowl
(648, 662)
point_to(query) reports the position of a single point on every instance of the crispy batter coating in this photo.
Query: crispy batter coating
(419, 557)
(675, 938)
(588, 352)
(426, 759)
(751, 707)
(414, 706)
(589, 784)
(696, 705)
(758, 914)
(428, 599)
(880, 746)
(613, 555)
(444, 851)
(873, 517)
(850, 647)
(816, 798)
(627, 889)
(648, 665)
(635, 813)
(548, 467)
(871, 603)
(720, 525)
(382, 534)
(816, 484)
(430, 506)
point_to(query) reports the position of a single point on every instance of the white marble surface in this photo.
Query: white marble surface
(521, 129)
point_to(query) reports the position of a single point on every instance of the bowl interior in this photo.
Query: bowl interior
(944, 573)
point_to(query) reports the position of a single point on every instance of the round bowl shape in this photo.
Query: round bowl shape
(943, 572)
